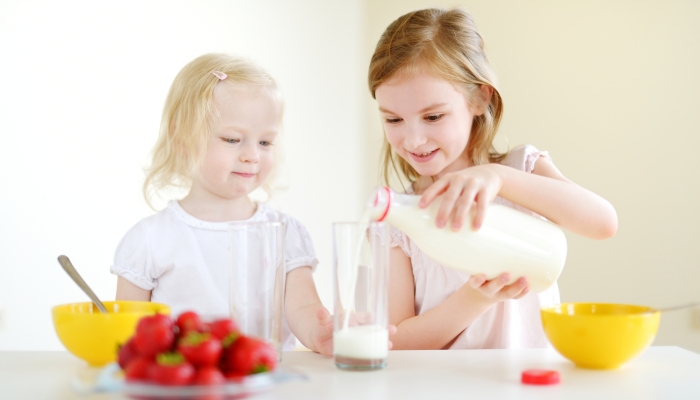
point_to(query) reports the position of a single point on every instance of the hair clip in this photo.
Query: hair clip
(219, 75)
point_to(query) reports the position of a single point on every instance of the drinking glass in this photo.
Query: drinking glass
(360, 281)
(257, 278)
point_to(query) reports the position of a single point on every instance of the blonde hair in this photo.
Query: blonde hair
(188, 115)
(446, 44)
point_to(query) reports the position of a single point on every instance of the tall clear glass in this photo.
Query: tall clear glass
(360, 281)
(257, 278)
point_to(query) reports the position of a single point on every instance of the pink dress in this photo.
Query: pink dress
(509, 323)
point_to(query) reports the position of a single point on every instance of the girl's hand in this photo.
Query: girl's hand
(472, 187)
(322, 332)
(497, 289)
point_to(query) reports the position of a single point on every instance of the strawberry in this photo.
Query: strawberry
(247, 355)
(222, 327)
(171, 369)
(154, 334)
(127, 353)
(208, 376)
(200, 349)
(236, 377)
(138, 369)
(189, 321)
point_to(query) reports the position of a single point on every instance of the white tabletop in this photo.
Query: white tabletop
(659, 373)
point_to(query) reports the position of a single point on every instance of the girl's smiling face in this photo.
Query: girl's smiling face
(240, 155)
(427, 122)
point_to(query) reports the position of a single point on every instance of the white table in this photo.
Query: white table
(660, 373)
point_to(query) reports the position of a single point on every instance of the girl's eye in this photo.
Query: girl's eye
(265, 143)
(392, 120)
(433, 118)
(229, 140)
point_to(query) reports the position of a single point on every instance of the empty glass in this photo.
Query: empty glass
(257, 278)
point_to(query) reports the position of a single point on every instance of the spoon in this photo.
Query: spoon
(674, 308)
(70, 269)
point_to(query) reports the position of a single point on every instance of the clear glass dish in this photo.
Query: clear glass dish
(110, 379)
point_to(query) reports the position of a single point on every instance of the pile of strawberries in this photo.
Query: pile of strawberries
(188, 351)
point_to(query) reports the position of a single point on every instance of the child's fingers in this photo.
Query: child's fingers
(447, 204)
(459, 216)
(514, 290)
(494, 286)
(326, 347)
(437, 188)
(475, 281)
(463, 207)
(323, 316)
(482, 204)
(526, 288)
(392, 329)
(328, 332)
(523, 293)
(324, 330)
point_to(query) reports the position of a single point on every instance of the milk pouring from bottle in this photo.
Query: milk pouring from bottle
(508, 241)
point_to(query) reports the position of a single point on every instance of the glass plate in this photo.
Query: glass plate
(111, 379)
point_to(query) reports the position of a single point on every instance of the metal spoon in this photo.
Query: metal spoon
(674, 308)
(70, 269)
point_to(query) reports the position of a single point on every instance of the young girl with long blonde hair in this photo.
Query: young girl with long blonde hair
(440, 106)
(220, 123)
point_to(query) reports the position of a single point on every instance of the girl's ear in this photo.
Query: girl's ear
(485, 93)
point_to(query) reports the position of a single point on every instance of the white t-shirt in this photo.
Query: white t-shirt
(184, 261)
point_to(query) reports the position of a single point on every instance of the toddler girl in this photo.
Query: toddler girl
(220, 122)
(440, 108)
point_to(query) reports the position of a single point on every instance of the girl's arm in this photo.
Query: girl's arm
(439, 326)
(545, 191)
(310, 322)
(128, 291)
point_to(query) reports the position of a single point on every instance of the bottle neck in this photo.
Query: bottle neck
(383, 200)
(379, 203)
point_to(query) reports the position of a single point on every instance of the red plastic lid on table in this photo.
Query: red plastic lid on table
(540, 377)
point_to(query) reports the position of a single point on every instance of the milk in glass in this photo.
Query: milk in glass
(365, 342)
(361, 267)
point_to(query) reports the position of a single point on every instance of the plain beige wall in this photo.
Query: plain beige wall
(612, 91)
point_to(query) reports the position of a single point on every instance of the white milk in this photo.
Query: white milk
(367, 342)
(508, 241)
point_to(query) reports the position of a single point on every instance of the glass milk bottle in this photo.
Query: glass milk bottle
(508, 241)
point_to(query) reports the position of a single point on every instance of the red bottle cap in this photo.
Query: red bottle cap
(540, 377)
(388, 202)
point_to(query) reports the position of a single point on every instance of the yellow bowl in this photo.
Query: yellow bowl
(599, 336)
(96, 337)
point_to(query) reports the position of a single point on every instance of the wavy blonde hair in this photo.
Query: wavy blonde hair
(188, 115)
(446, 44)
